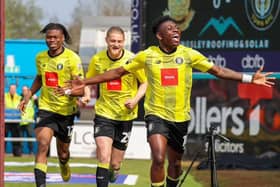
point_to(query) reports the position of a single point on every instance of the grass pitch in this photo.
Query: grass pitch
(135, 167)
(196, 178)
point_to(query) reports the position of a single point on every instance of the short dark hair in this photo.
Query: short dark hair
(156, 24)
(58, 26)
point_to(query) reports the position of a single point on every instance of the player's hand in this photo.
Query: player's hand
(77, 86)
(84, 100)
(263, 78)
(60, 91)
(130, 103)
(23, 103)
(22, 106)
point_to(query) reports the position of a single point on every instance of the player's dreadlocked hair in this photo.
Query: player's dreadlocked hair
(156, 24)
(58, 26)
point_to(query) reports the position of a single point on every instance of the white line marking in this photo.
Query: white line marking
(131, 179)
(23, 164)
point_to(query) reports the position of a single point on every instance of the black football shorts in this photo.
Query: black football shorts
(61, 125)
(119, 131)
(175, 132)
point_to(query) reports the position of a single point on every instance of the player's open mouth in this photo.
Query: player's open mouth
(176, 37)
(52, 44)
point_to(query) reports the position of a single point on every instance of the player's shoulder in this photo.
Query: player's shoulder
(42, 54)
(70, 53)
(185, 48)
(128, 54)
(152, 48)
(71, 56)
(100, 54)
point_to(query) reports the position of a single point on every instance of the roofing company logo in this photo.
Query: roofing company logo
(221, 25)
(262, 13)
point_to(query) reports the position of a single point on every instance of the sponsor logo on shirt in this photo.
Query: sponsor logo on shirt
(114, 85)
(51, 79)
(169, 77)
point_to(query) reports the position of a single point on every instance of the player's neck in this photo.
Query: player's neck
(167, 50)
(55, 52)
(116, 56)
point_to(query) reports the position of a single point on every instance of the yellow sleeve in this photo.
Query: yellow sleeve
(38, 64)
(199, 61)
(91, 68)
(77, 68)
(136, 63)
(141, 76)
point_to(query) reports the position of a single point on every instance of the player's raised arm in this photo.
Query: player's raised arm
(257, 78)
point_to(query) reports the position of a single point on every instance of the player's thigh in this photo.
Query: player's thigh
(103, 148)
(44, 135)
(122, 134)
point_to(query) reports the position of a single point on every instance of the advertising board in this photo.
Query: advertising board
(241, 35)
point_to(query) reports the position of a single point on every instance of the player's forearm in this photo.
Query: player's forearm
(36, 85)
(141, 91)
(225, 73)
(87, 92)
(106, 76)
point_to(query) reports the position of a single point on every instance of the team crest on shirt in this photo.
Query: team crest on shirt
(59, 66)
(179, 60)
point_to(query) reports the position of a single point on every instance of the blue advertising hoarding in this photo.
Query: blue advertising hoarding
(20, 65)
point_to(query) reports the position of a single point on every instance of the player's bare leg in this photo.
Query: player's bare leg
(63, 157)
(43, 137)
(103, 151)
(158, 144)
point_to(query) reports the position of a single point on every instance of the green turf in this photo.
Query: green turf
(136, 167)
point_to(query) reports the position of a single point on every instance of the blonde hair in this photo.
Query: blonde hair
(115, 29)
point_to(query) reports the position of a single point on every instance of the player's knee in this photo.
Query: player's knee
(63, 156)
(175, 164)
(159, 160)
(43, 146)
(116, 164)
(103, 158)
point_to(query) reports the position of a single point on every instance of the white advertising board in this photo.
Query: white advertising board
(83, 144)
